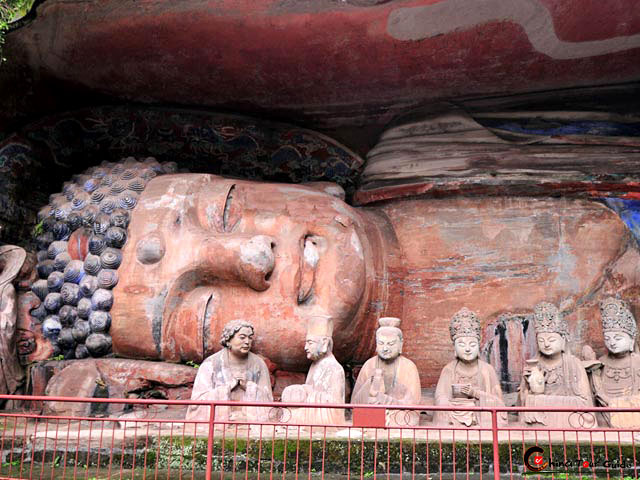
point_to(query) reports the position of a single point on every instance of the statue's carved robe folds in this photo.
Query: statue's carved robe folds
(325, 384)
(566, 385)
(213, 381)
(12, 373)
(402, 387)
(618, 385)
(486, 385)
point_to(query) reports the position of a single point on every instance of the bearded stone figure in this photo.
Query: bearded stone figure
(467, 381)
(555, 378)
(615, 377)
(325, 381)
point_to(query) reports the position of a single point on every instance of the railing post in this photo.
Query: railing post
(212, 417)
(496, 445)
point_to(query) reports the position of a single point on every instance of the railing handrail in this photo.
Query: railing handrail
(223, 403)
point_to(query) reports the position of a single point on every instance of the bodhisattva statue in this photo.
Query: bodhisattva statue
(389, 378)
(325, 381)
(233, 373)
(467, 380)
(555, 378)
(12, 375)
(615, 378)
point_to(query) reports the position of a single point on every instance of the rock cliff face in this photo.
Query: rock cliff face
(337, 63)
(499, 257)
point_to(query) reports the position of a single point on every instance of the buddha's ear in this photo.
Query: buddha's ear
(329, 188)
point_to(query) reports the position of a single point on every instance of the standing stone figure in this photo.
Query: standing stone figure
(233, 373)
(615, 378)
(325, 381)
(389, 378)
(11, 260)
(555, 378)
(467, 381)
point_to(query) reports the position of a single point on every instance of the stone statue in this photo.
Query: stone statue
(389, 378)
(233, 373)
(615, 378)
(561, 374)
(179, 254)
(12, 375)
(467, 381)
(325, 381)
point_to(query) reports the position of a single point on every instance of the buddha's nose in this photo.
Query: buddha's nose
(247, 259)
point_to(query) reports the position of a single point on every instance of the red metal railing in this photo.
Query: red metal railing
(150, 439)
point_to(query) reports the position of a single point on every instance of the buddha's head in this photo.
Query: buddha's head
(465, 334)
(551, 330)
(202, 249)
(618, 326)
(156, 270)
(389, 339)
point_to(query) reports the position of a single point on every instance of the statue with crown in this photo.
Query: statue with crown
(555, 378)
(615, 377)
(389, 378)
(467, 381)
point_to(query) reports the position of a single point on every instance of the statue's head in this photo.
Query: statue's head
(465, 334)
(202, 249)
(146, 263)
(237, 336)
(551, 329)
(319, 341)
(618, 326)
(389, 338)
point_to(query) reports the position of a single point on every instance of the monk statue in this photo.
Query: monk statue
(615, 377)
(12, 378)
(233, 373)
(325, 381)
(389, 378)
(555, 378)
(467, 381)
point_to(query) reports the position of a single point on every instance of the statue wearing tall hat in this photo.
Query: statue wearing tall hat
(555, 378)
(615, 377)
(325, 383)
(467, 380)
(389, 378)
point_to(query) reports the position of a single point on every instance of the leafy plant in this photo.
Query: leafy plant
(37, 229)
(11, 11)
(193, 364)
(57, 357)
